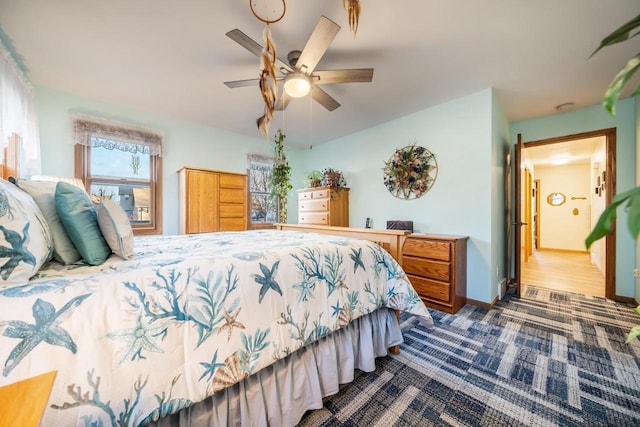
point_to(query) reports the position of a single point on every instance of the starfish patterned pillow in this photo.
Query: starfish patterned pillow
(25, 238)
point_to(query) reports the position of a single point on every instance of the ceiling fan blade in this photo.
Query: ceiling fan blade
(245, 41)
(317, 45)
(242, 83)
(353, 75)
(248, 82)
(324, 99)
(252, 46)
(282, 102)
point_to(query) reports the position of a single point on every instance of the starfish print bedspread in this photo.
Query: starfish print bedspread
(135, 340)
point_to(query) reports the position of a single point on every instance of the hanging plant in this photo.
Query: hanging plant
(280, 178)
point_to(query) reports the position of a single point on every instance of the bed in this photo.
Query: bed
(246, 328)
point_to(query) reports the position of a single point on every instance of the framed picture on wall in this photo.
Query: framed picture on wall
(598, 181)
(597, 191)
(604, 173)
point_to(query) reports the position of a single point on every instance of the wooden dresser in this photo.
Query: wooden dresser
(324, 206)
(437, 268)
(212, 201)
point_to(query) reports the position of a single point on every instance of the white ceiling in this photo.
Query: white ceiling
(579, 151)
(172, 57)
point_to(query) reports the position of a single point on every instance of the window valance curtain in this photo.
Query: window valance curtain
(18, 113)
(97, 132)
(260, 161)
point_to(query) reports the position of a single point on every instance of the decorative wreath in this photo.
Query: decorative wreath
(410, 172)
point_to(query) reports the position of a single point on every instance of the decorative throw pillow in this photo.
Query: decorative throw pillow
(81, 223)
(25, 239)
(115, 227)
(43, 193)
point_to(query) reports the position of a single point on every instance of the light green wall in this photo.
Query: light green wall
(500, 149)
(460, 135)
(590, 119)
(185, 143)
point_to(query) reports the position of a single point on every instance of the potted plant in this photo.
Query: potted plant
(630, 200)
(314, 178)
(280, 178)
(333, 178)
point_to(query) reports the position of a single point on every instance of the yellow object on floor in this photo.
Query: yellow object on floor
(22, 403)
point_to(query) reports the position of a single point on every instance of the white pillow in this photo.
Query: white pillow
(25, 238)
(43, 193)
(115, 227)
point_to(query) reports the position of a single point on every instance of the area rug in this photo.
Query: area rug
(548, 358)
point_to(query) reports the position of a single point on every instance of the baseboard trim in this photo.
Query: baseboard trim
(571, 251)
(483, 304)
(628, 300)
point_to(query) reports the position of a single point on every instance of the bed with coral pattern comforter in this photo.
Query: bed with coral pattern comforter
(135, 340)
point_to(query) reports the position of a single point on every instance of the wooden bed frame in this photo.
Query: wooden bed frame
(390, 240)
(10, 158)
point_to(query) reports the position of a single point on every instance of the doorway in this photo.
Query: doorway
(566, 182)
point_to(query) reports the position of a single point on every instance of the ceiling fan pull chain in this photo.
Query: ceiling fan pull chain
(266, 13)
(283, 110)
(310, 123)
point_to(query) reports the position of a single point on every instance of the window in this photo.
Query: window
(263, 210)
(122, 164)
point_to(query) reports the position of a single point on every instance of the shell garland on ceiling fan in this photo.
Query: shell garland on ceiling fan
(268, 12)
(353, 11)
(410, 172)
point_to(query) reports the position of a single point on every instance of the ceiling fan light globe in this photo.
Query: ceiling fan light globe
(297, 86)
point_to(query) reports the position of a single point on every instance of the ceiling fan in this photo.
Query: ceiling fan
(299, 74)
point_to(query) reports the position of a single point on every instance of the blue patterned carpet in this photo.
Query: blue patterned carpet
(549, 358)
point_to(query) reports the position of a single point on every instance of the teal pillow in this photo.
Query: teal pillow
(81, 223)
(43, 192)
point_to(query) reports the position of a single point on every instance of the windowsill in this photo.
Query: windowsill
(261, 226)
(146, 231)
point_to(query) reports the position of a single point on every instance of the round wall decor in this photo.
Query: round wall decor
(410, 172)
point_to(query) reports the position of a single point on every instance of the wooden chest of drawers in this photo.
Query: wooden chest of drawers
(212, 201)
(324, 206)
(437, 268)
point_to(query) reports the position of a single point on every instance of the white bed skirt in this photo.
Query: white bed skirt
(280, 394)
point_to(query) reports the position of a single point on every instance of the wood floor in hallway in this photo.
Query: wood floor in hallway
(563, 271)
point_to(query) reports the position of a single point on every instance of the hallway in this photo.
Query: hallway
(563, 271)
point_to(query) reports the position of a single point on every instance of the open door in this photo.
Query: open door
(517, 231)
(518, 248)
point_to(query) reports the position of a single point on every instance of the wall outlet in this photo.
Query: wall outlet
(636, 272)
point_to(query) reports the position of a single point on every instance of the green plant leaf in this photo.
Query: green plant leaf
(619, 35)
(608, 216)
(637, 309)
(634, 332)
(633, 220)
(616, 86)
